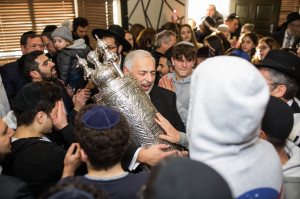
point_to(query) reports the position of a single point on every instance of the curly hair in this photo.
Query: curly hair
(187, 51)
(104, 148)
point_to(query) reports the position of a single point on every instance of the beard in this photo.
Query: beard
(146, 83)
(48, 77)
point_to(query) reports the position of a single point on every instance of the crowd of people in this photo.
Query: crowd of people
(228, 96)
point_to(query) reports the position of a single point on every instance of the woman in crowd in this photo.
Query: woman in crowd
(135, 30)
(214, 42)
(146, 39)
(263, 47)
(248, 44)
(187, 34)
(246, 28)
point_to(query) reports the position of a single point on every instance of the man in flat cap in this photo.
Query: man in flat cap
(290, 36)
(276, 127)
(35, 157)
(281, 70)
(114, 37)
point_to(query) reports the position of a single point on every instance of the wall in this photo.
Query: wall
(136, 14)
(197, 8)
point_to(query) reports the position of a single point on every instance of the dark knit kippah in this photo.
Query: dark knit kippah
(100, 117)
(71, 194)
(278, 120)
(28, 97)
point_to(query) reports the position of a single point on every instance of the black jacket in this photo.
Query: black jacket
(165, 103)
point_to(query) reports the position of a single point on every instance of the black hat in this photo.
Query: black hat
(291, 17)
(28, 97)
(278, 120)
(185, 178)
(282, 61)
(117, 31)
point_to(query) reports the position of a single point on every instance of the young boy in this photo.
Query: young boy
(103, 135)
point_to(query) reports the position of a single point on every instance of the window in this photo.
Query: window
(19, 16)
(99, 13)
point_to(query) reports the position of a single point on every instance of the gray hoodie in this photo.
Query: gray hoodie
(228, 98)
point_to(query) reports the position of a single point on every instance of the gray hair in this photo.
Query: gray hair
(279, 78)
(164, 37)
(129, 60)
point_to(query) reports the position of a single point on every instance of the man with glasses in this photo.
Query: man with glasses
(12, 77)
(48, 42)
(114, 37)
(38, 67)
(289, 36)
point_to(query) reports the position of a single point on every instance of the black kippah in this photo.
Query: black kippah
(100, 117)
(28, 97)
(278, 120)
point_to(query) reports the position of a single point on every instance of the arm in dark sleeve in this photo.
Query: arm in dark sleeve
(68, 134)
(129, 153)
(177, 122)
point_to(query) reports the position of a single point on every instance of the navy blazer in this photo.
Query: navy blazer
(13, 80)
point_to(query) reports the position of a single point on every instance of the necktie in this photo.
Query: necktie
(288, 42)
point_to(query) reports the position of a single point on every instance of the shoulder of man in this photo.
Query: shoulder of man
(11, 187)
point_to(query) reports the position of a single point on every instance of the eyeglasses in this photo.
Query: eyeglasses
(36, 45)
(262, 47)
(111, 47)
(48, 43)
(45, 63)
(296, 25)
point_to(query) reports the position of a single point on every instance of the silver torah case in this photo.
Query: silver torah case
(124, 94)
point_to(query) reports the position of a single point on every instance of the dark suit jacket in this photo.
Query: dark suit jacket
(13, 188)
(165, 103)
(12, 79)
(295, 107)
(279, 36)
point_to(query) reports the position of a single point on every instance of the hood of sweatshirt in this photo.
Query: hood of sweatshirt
(78, 44)
(228, 98)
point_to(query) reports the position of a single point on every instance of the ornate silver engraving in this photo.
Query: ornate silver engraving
(123, 93)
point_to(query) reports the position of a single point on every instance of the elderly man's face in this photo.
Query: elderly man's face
(5, 138)
(144, 71)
